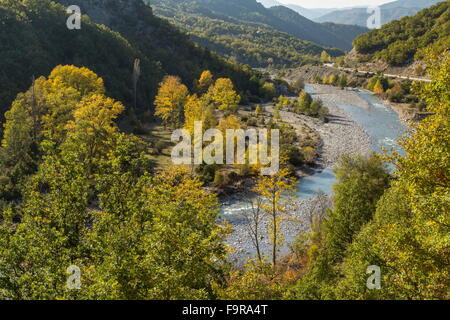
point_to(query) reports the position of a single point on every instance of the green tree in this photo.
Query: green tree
(409, 235)
(361, 183)
(304, 102)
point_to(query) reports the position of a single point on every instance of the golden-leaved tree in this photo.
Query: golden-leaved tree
(198, 109)
(94, 205)
(276, 192)
(206, 80)
(170, 100)
(224, 95)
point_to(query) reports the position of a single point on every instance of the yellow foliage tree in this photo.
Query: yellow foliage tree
(272, 189)
(378, 88)
(83, 80)
(325, 57)
(258, 110)
(224, 95)
(206, 80)
(332, 79)
(170, 100)
(93, 126)
(197, 109)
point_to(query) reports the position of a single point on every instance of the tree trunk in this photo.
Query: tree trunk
(274, 249)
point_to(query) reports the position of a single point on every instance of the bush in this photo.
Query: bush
(309, 154)
(298, 85)
(159, 146)
(294, 155)
(207, 172)
(218, 178)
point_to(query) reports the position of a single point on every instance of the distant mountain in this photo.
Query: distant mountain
(310, 13)
(339, 36)
(247, 31)
(389, 12)
(269, 3)
(400, 42)
(234, 32)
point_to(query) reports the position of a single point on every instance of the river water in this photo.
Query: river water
(379, 121)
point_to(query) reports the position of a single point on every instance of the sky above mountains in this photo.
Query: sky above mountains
(334, 3)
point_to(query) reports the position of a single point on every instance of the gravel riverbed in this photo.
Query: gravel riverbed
(341, 135)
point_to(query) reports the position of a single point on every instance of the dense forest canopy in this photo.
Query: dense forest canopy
(398, 42)
(34, 39)
(78, 193)
(250, 33)
(90, 199)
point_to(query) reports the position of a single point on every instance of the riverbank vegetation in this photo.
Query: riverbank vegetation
(394, 90)
(215, 103)
(401, 41)
(396, 221)
(82, 193)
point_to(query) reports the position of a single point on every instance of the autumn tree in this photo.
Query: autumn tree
(206, 80)
(39, 114)
(304, 102)
(325, 57)
(378, 87)
(273, 190)
(198, 109)
(332, 79)
(224, 96)
(170, 100)
(258, 110)
(92, 127)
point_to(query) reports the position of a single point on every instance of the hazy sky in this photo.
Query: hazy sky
(334, 3)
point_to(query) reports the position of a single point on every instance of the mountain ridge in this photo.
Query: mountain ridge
(389, 12)
(247, 31)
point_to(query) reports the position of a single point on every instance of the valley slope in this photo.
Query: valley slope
(250, 33)
(34, 39)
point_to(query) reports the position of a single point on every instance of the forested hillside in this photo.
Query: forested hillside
(336, 35)
(34, 39)
(98, 201)
(400, 41)
(399, 224)
(250, 33)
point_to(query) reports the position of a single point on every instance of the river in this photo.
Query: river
(376, 118)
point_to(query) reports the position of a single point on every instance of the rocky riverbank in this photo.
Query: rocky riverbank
(298, 217)
(341, 135)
